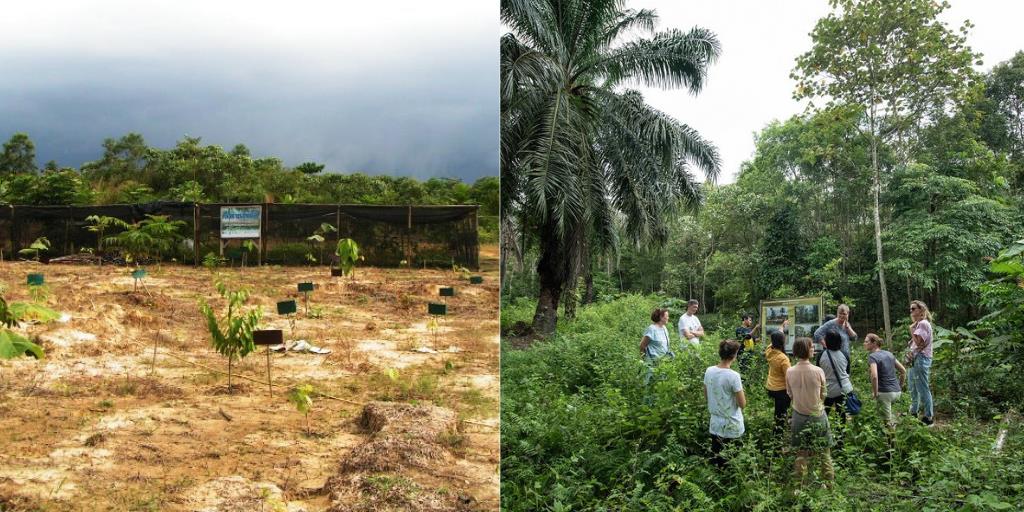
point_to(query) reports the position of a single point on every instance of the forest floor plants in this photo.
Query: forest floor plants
(581, 432)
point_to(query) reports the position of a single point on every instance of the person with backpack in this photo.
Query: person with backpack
(836, 367)
(746, 334)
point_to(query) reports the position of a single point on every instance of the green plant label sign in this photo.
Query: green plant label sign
(268, 337)
(476, 280)
(139, 274)
(305, 287)
(35, 279)
(447, 292)
(437, 309)
(286, 307)
(240, 221)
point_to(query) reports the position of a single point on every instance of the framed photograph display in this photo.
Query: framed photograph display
(804, 315)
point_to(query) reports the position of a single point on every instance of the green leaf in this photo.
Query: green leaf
(15, 345)
(30, 311)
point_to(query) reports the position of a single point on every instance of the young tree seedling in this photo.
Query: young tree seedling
(36, 249)
(248, 247)
(348, 254)
(435, 311)
(301, 397)
(99, 224)
(232, 333)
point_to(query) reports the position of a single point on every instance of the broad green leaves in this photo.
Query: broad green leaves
(348, 254)
(14, 345)
(301, 397)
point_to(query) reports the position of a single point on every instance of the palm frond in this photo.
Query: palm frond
(671, 59)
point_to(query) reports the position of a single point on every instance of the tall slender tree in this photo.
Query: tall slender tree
(899, 63)
(578, 150)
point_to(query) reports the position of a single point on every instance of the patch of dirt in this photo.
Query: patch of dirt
(95, 426)
(405, 439)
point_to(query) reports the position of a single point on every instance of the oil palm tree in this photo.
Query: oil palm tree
(581, 154)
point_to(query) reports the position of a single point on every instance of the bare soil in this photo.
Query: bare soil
(410, 421)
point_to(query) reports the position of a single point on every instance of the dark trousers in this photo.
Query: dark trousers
(717, 445)
(782, 402)
(839, 403)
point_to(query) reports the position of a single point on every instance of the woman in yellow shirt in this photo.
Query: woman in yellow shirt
(778, 363)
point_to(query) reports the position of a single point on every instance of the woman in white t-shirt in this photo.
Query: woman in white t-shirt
(723, 390)
(655, 343)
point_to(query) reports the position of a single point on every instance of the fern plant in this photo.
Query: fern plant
(99, 224)
(153, 236)
(348, 253)
(232, 333)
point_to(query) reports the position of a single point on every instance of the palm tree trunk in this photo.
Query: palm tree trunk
(588, 280)
(876, 191)
(551, 271)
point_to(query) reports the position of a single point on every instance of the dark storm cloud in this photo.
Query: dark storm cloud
(433, 112)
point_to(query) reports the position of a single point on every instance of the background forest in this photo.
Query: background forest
(798, 219)
(130, 171)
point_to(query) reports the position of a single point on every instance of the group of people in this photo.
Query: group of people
(805, 393)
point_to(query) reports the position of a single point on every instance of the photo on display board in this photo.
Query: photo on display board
(807, 314)
(777, 314)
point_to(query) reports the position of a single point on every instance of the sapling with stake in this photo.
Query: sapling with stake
(248, 247)
(301, 397)
(232, 334)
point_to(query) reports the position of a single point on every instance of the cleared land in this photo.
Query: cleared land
(412, 423)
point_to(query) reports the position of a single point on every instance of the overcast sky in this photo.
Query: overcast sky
(750, 84)
(390, 87)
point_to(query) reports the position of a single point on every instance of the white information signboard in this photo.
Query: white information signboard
(240, 221)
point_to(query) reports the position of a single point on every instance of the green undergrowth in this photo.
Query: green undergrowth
(578, 433)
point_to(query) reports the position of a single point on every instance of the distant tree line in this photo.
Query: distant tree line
(130, 171)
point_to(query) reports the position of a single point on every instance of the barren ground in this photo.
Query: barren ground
(91, 427)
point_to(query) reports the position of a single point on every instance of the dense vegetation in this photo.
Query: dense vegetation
(130, 171)
(579, 433)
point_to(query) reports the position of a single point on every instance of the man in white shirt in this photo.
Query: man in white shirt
(689, 325)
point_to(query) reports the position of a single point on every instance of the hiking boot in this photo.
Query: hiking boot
(928, 421)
